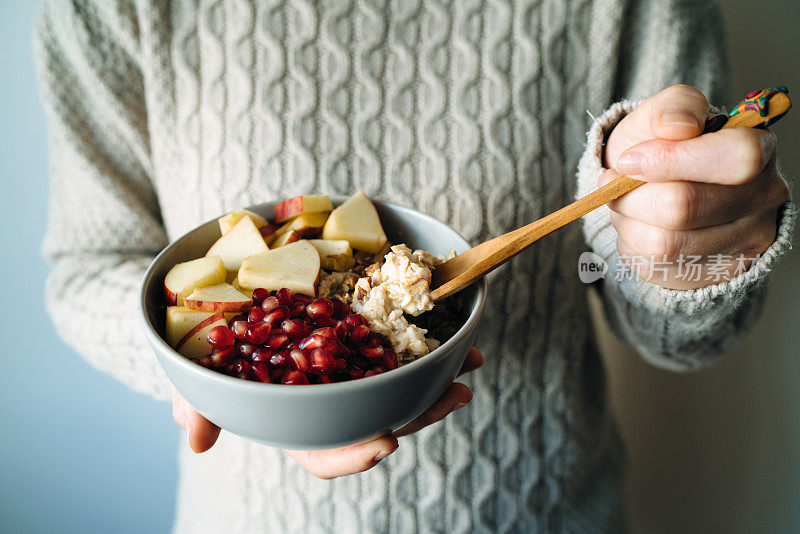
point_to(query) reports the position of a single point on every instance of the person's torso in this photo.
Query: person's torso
(473, 112)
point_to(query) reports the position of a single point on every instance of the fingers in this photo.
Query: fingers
(677, 112)
(201, 433)
(692, 205)
(728, 157)
(457, 396)
(747, 236)
(346, 460)
(474, 361)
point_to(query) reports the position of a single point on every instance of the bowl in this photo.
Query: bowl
(318, 416)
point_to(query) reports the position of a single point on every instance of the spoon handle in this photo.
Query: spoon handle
(758, 110)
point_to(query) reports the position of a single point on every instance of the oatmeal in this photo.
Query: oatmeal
(386, 292)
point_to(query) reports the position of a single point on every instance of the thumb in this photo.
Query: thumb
(334, 463)
(677, 113)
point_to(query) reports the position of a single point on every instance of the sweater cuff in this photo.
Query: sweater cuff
(602, 238)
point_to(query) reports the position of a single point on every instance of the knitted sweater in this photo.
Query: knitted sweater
(166, 114)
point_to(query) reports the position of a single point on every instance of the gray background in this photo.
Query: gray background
(717, 450)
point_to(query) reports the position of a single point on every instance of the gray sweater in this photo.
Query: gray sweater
(166, 114)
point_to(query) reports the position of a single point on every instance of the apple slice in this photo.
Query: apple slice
(194, 344)
(180, 322)
(185, 277)
(356, 221)
(292, 207)
(284, 239)
(269, 233)
(227, 222)
(307, 225)
(218, 298)
(235, 284)
(294, 266)
(243, 240)
(335, 255)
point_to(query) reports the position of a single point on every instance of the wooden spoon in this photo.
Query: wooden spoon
(759, 109)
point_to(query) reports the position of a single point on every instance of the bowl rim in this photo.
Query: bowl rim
(152, 335)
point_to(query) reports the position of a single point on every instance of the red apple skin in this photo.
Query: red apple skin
(288, 208)
(200, 326)
(268, 232)
(215, 306)
(172, 297)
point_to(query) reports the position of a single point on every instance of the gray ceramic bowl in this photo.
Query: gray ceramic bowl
(319, 416)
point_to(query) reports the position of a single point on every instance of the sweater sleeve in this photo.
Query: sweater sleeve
(679, 330)
(104, 225)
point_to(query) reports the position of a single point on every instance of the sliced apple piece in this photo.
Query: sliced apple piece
(356, 221)
(194, 344)
(292, 207)
(185, 277)
(227, 222)
(294, 266)
(334, 255)
(180, 322)
(218, 298)
(243, 240)
(307, 225)
(235, 284)
(269, 233)
(289, 237)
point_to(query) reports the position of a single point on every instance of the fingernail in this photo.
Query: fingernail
(382, 454)
(630, 163)
(460, 405)
(679, 117)
(768, 141)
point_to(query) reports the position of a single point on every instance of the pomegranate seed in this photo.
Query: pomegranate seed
(294, 328)
(259, 294)
(279, 359)
(246, 350)
(300, 359)
(323, 379)
(326, 332)
(341, 330)
(390, 359)
(239, 317)
(256, 315)
(340, 309)
(261, 370)
(239, 328)
(354, 371)
(375, 339)
(284, 296)
(321, 307)
(372, 353)
(359, 334)
(277, 315)
(322, 363)
(258, 333)
(220, 336)
(341, 364)
(354, 320)
(261, 355)
(269, 304)
(295, 378)
(241, 367)
(277, 341)
(373, 372)
(206, 362)
(277, 375)
(302, 299)
(312, 342)
(322, 322)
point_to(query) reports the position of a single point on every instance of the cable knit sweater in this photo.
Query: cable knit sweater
(166, 114)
